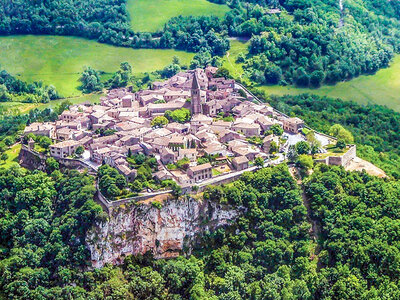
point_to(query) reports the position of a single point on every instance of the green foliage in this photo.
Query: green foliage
(79, 150)
(90, 80)
(44, 223)
(122, 77)
(302, 147)
(13, 89)
(179, 115)
(273, 148)
(340, 133)
(111, 183)
(52, 165)
(277, 129)
(305, 162)
(349, 205)
(156, 204)
(170, 70)
(304, 46)
(159, 121)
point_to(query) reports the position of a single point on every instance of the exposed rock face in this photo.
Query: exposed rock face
(166, 232)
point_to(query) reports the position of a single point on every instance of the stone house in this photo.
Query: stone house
(240, 163)
(200, 172)
(190, 154)
(247, 129)
(43, 129)
(64, 149)
(293, 124)
(167, 156)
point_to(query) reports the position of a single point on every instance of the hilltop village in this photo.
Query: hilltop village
(212, 126)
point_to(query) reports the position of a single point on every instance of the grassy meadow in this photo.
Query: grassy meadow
(12, 154)
(59, 60)
(381, 88)
(149, 16)
(237, 46)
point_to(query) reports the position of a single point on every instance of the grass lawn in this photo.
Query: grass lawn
(150, 16)
(215, 172)
(229, 62)
(381, 88)
(59, 60)
(12, 153)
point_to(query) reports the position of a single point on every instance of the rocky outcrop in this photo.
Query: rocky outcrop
(31, 160)
(166, 232)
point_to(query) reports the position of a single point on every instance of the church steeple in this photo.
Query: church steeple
(196, 97)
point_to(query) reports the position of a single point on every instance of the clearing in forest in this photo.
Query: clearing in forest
(151, 15)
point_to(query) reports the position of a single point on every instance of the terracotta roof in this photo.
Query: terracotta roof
(200, 167)
(240, 160)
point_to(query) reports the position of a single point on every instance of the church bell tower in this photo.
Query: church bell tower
(196, 97)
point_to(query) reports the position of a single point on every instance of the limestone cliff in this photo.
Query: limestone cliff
(166, 231)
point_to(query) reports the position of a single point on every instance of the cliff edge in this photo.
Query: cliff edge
(166, 230)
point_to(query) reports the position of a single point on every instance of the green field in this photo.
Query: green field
(12, 153)
(149, 16)
(58, 60)
(381, 88)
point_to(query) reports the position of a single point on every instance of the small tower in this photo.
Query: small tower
(31, 144)
(196, 97)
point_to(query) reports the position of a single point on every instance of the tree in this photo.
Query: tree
(159, 121)
(52, 164)
(301, 77)
(4, 156)
(273, 74)
(339, 132)
(176, 60)
(316, 78)
(113, 191)
(292, 153)
(302, 147)
(9, 140)
(79, 150)
(179, 115)
(176, 190)
(314, 142)
(273, 148)
(259, 162)
(223, 72)
(341, 144)
(305, 162)
(277, 129)
(170, 70)
(90, 80)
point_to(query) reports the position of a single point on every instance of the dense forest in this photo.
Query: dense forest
(268, 254)
(359, 243)
(43, 222)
